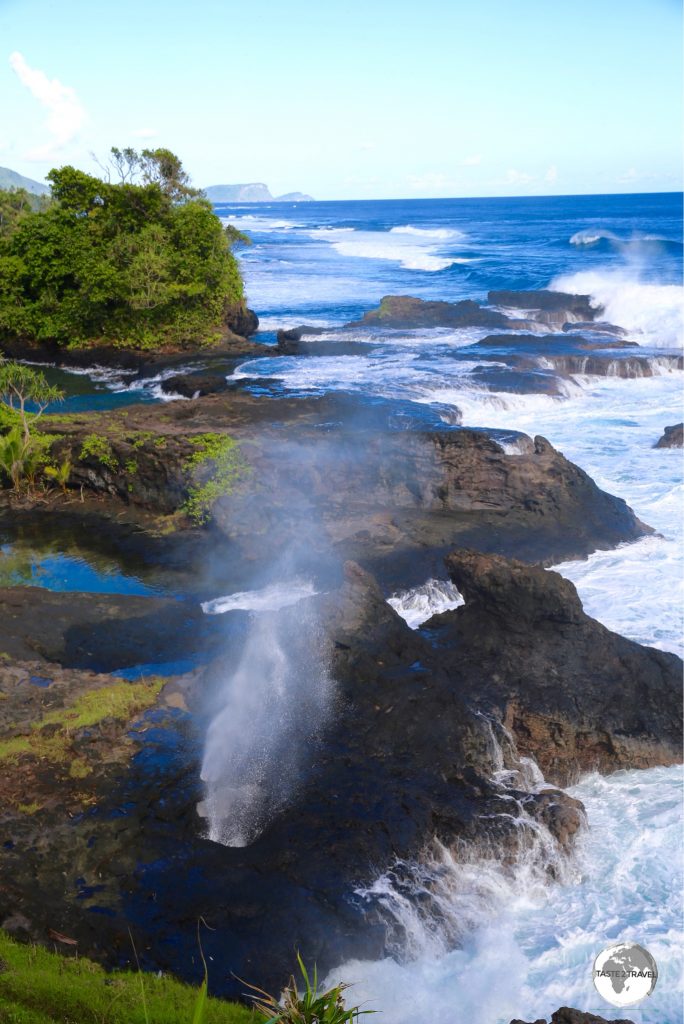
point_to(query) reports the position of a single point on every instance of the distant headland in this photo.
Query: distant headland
(252, 192)
(10, 179)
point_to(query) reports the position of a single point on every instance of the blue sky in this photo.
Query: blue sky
(353, 99)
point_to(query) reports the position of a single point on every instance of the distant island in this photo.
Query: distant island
(12, 179)
(252, 192)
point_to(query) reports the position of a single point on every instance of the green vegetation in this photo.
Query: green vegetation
(38, 987)
(24, 396)
(221, 456)
(142, 262)
(50, 738)
(60, 474)
(98, 447)
(309, 1007)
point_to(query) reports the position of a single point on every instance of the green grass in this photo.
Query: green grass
(39, 987)
(50, 738)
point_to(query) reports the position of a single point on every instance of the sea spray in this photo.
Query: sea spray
(270, 706)
(533, 941)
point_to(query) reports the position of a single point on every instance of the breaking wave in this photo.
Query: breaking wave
(652, 313)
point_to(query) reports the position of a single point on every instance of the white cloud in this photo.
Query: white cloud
(432, 181)
(66, 112)
(514, 177)
(145, 133)
(472, 161)
(629, 176)
(551, 174)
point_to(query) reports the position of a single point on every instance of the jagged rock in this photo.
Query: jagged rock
(293, 343)
(195, 385)
(404, 311)
(405, 756)
(575, 696)
(673, 437)
(566, 1015)
(413, 495)
(561, 305)
(243, 321)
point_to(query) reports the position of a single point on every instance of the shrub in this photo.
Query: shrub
(309, 1007)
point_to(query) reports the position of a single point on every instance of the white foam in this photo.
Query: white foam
(440, 233)
(397, 247)
(421, 603)
(270, 598)
(253, 222)
(652, 313)
(589, 236)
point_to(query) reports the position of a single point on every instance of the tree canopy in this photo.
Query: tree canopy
(140, 262)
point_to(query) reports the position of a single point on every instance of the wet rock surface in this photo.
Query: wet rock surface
(574, 695)
(233, 343)
(421, 722)
(419, 488)
(104, 632)
(567, 1015)
(672, 437)
(404, 311)
(559, 306)
(419, 727)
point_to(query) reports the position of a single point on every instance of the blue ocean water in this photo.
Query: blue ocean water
(333, 260)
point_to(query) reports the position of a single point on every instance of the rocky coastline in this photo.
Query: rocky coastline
(432, 728)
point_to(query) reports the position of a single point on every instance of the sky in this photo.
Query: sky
(353, 99)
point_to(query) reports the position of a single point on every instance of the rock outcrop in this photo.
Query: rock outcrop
(574, 695)
(551, 306)
(566, 1015)
(384, 483)
(406, 312)
(420, 724)
(672, 437)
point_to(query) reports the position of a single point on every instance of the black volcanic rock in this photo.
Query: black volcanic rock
(103, 632)
(404, 311)
(578, 307)
(243, 321)
(294, 342)
(673, 437)
(403, 759)
(383, 487)
(574, 695)
(194, 385)
(566, 1015)
(406, 757)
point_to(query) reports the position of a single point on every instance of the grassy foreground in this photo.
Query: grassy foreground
(38, 987)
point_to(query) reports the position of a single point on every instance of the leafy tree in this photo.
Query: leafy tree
(22, 387)
(14, 203)
(25, 394)
(162, 167)
(141, 262)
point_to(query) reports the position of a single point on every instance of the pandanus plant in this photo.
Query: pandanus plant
(308, 1007)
